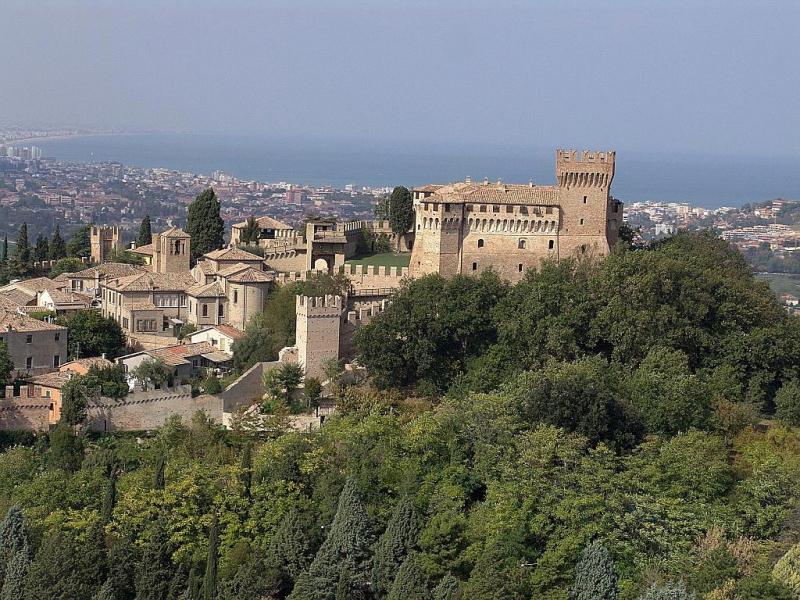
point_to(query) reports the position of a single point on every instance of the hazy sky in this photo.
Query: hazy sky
(696, 77)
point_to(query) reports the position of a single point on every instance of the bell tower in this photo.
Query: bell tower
(171, 251)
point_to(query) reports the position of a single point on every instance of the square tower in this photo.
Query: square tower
(105, 240)
(171, 251)
(317, 337)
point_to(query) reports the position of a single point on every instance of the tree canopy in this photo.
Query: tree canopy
(204, 223)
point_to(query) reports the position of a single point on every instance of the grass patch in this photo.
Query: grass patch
(385, 259)
(782, 284)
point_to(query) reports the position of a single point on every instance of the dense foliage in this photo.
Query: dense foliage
(92, 334)
(204, 223)
(586, 433)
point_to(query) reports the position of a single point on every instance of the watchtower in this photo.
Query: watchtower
(317, 337)
(104, 241)
(171, 251)
(590, 217)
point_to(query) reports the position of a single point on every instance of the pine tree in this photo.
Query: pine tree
(66, 568)
(145, 232)
(58, 248)
(250, 232)
(121, 563)
(490, 578)
(15, 575)
(410, 582)
(210, 581)
(21, 261)
(204, 224)
(80, 244)
(41, 250)
(110, 497)
(669, 591)
(595, 577)
(154, 569)
(447, 588)
(289, 549)
(394, 545)
(256, 578)
(347, 546)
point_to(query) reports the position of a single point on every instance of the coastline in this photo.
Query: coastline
(68, 137)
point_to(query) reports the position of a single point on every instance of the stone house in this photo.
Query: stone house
(35, 346)
(221, 337)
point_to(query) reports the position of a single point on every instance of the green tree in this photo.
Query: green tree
(80, 244)
(41, 251)
(410, 583)
(246, 475)
(312, 391)
(14, 539)
(58, 248)
(92, 334)
(401, 211)
(396, 543)
(6, 364)
(4, 266)
(66, 567)
(251, 231)
(446, 589)
(110, 498)
(110, 381)
(152, 372)
(121, 564)
(16, 573)
(145, 236)
(787, 402)
(66, 449)
(21, 261)
(158, 476)
(595, 576)
(74, 399)
(67, 265)
(347, 547)
(669, 591)
(280, 382)
(154, 569)
(204, 223)
(210, 580)
(289, 550)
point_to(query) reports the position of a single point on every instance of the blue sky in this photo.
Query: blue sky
(672, 77)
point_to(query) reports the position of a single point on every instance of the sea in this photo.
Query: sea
(707, 181)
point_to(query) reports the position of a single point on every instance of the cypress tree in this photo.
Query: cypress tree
(394, 545)
(110, 497)
(80, 244)
(158, 478)
(180, 583)
(595, 577)
(490, 578)
(42, 248)
(256, 578)
(346, 547)
(669, 591)
(58, 248)
(204, 224)
(106, 592)
(66, 449)
(4, 270)
(154, 569)
(247, 470)
(401, 211)
(210, 581)
(344, 586)
(145, 232)
(21, 262)
(410, 582)
(15, 547)
(447, 589)
(5, 249)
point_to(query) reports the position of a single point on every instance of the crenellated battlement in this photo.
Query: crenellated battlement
(585, 156)
(319, 306)
(585, 169)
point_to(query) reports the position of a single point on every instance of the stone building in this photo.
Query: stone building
(105, 241)
(169, 252)
(269, 230)
(469, 227)
(35, 346)
(317, 337)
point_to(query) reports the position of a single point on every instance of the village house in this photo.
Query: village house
(35, 346)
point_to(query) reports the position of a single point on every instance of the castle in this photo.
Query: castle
(467, 227)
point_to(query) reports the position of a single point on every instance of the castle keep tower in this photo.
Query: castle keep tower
(590, 216)
(104, 241)
(317, 337)
(468, 227)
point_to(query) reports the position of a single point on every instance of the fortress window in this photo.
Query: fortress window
(548, 210)
(584, 199)
(583, 248)
(205, 310)
(581, 221)
(446, 208)
(426, 206)
(480, 243)
(550, 244)
(474, 266)
(221, 310)
(495, 208)
(435, 207)
(509, 208)
(235, 296)
(616, 207)
(521, 244)
(519, 267)
(483, 208)
(523, 210)
(470, 207)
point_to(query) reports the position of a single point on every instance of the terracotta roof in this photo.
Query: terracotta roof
(109, 270)
(146, 281)
(147, 250)
(52, 380)
(208, 290)
(62, 297)
(92, 361)
(18, 297)
(24, 323)
(174, 232)
(495, 193)
(38, 284)
(431, 187)
(250, 276)
(232, 253)
(225, 329)
(265, 223)
(176, 355)
(206, 267)
(231, 269)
